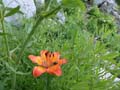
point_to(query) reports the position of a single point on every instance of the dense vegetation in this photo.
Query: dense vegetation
(88, 40)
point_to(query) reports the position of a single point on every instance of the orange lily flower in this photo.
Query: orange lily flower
(47, 62)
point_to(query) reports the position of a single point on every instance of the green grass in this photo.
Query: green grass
(76, 42)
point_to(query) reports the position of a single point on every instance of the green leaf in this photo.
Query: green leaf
(8, 9)
(1, 2)
(80, 86)
(3, 33)
(94, 12)
(1, 85)
(110, 56)
(73, 3)
(0, 15)
(12, 11)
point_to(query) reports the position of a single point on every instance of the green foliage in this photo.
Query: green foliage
(88, 43)
(3, 33)
(6, 11)
(12, 11)
(73, 3)
(118, 2)
(101, 22)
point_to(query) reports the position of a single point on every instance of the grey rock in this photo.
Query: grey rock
(107, 6)
(61, 17)
(26, 6)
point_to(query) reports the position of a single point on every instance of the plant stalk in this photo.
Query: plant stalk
(47, 82)
(13, 81)
(34, 29)
(5, 37)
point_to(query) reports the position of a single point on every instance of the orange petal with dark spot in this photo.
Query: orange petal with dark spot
(43, 54)
(37, 71)
(56, 56)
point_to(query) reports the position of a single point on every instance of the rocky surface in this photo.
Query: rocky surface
(27, 7)
(107, 6)
(110, 6)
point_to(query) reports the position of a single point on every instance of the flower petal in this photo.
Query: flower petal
(35, 59)
(56, 70)
(56, 56)
(43, 54)
(62, 61)
(37, 71)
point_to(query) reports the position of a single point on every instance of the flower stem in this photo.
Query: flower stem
(47, 83)
(13, 81)
(5, 37)
(7, 47)
(34, 29)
